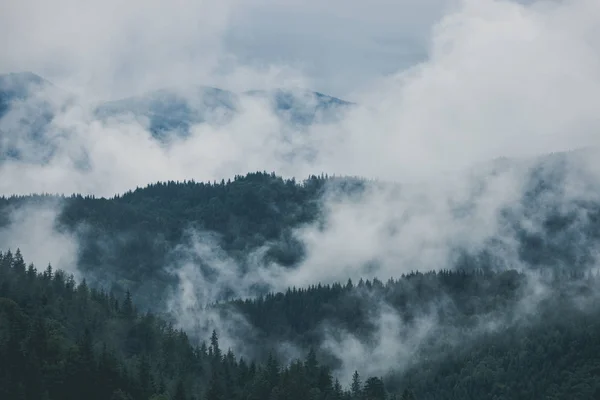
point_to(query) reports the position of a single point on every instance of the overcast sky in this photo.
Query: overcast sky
(117, 47)
(488, 78)
(341, 45)
(442, 85)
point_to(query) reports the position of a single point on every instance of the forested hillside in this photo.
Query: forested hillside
(129, 241)
(476, 328)
(503, 335)
(60, 339)
(300, 200)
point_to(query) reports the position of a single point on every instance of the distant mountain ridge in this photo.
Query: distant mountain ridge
(27, 106)
(163, 111)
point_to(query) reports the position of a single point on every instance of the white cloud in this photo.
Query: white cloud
(500, 79)
(111, 48)
(32, 229)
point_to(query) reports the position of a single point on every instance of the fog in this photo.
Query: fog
(492, 79)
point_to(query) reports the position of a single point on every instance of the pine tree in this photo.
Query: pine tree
(18, 263)
(214, 345)
(48, 274)
(374, 389)
(338, 392)
(272, 370)
(83, 292)
(31, 272)
(356, 386)
(312, 366)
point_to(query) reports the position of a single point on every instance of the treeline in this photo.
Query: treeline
(60, 339)
(454, 297)
(497, 335)
(126, 241)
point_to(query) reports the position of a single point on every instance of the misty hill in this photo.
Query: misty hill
(34, 101)
(478, 326)
(129, 239)
(302, 107)
(62, 340)
(132, 240)
(168, 110)
(177, 110)
(18, 86)
(27, 106)
(445, 335)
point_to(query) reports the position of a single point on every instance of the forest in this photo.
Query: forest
(477, 328)
(133, 236)
(300, 200)
(126, 241)
(61, 339)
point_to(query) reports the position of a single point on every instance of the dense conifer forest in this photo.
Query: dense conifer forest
(491, 339)
(300, 200)
(132, 236)
(61, 339)
(127, 241)
(110, 336)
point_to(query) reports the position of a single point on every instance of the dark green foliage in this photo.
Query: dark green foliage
(63, 341)
(374, 389)
(127, 241)
(67, 340)
(133, 236)
(356, 386)
(458, 297)
(553, 352)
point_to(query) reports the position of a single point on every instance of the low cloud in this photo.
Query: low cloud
(500, 79)
(33, 228)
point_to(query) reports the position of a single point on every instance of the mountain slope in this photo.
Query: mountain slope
(18, 86)
(447, 334)
(60, 339)
(28, 103)
(63, 340)
(27, 106)
(131, 241)
(177, 110)
(168, 110)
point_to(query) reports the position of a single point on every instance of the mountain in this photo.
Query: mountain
(166, 110)
(127, 240)
(177, 110)
(19, 87)
(33, 101)
(511, 314)
(62, 340)
(447, 334)
(302, 107)
(27, 106)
